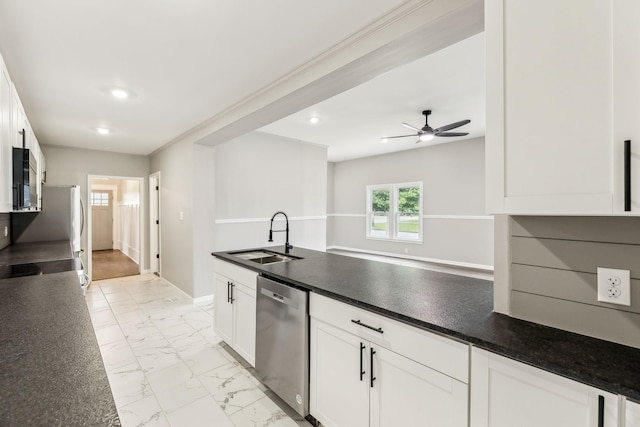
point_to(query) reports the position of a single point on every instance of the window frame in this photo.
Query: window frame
(393, 217)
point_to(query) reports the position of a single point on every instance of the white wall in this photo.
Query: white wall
(456, 229)
(175, 163)
(72, 166)
(259, 174)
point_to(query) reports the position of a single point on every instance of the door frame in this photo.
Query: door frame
(141, 235)
(155, 214)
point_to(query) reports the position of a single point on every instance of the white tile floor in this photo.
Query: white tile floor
(166, 367)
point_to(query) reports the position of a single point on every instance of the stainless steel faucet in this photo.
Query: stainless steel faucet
(287, 246)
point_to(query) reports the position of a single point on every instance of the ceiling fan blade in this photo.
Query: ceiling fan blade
(452, 134)
(399, 136)
(451, 126)
(407, 125)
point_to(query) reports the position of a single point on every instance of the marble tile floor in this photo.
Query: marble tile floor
(166, 366)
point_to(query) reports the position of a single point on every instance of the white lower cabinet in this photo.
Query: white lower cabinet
(235, 308)
(632, 414)
(376, 377)
(506, 393)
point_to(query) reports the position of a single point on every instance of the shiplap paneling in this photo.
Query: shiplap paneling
(554, 261)
(567, 285)
(575, 255)
(599, 322)
(593, 229)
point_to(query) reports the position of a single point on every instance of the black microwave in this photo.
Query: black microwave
(25, 180)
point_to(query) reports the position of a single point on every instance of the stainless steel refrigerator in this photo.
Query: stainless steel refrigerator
(61, 218)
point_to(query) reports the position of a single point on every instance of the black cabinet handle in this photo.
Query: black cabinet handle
(371, 366)
(362, 372)
(231, 300)
(358, 322)
(600, 411)
(627, 175)
(228, 290)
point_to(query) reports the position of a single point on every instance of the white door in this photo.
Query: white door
(6, 138)
(244, 334)
(223, 310)
(506, 393)
(339, 389)
(407, 393)
(101, 219)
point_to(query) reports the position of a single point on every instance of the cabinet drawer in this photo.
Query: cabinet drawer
(437, 352)
(236, 274)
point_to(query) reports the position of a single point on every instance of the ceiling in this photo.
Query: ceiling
(184, 61)
(449, 82)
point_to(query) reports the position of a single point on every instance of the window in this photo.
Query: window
(394, 211)
(99, 199)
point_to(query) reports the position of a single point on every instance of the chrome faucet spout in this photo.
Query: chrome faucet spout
(287, 246)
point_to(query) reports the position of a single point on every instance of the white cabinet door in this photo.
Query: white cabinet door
(626, 102)
(506, 393)
(406, 393)
(339, 391)
(17, 120)
(244, 322)
(6, 141)
(553, 82)
(223, 310)
(632, 414)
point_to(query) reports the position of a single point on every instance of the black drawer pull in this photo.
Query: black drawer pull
(358, 322)
(231, 300)
(228, 291)
(362, 347)
(627, 175)
(600, 411)
(371, 367)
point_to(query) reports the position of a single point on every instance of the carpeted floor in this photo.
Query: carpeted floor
(112, 263)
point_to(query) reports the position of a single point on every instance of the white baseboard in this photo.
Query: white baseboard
(417, 258)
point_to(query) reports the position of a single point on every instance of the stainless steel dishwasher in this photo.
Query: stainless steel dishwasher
(282, 342)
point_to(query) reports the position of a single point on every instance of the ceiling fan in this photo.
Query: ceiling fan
(427, 132)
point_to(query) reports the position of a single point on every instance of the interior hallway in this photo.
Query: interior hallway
(112, 263)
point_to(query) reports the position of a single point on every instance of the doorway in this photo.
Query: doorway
(115, 218)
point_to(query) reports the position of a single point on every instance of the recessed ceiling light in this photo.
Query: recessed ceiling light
(103, 131)
(120, 93)
(313, 120)
(384, 140)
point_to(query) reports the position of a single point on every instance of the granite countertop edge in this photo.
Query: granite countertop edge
(558, 351)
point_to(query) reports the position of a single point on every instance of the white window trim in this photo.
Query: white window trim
(393, 214)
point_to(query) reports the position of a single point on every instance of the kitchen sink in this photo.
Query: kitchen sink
(264, 257)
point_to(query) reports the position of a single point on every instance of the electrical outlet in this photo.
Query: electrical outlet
(614, 286)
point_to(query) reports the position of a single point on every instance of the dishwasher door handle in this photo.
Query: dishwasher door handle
(279, 298)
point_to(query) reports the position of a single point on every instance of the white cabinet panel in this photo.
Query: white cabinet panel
(6, 140)
(406, 393)
(632, 414)
(506, 393)
(235, 308)
(560, 103)
(339, 394)
(223, 324)
(357, 380)
(244, 322)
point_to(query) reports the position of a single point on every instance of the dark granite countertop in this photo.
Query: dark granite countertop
(51, 370)
(22, 253)
(459, 307)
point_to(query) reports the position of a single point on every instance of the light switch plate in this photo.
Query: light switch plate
(614, 286)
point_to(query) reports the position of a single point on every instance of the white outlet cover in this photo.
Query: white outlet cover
(614, 286)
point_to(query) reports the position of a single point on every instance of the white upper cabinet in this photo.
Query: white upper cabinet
(562, 97)
(6, 140)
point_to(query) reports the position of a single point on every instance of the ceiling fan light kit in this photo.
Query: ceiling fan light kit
(427, 133)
